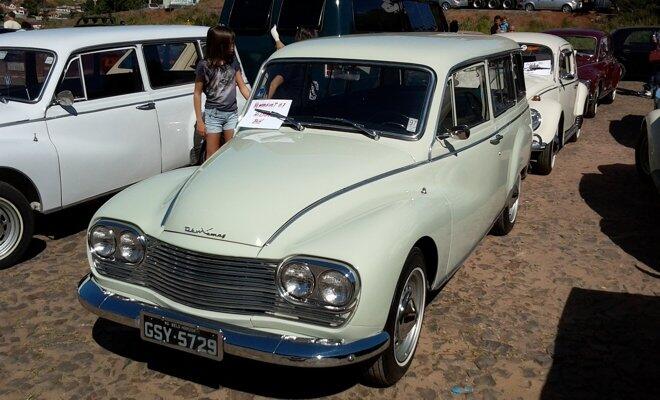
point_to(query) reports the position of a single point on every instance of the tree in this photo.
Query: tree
(33, 6)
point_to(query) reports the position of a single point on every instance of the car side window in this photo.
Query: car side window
(604, 47)
(519, 76)
(250, 17)
(446, 116)
(502, 91)
(72, 80)
(110, 73)
(295, 13)
(170, 64)
(470, 98)
(564, 64)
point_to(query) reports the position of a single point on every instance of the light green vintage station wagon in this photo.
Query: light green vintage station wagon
(316, 244)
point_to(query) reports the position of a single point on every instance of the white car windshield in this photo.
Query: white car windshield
(23, 73)
(537, 59)
(388, 99)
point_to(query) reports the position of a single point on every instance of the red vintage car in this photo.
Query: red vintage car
(597, 67)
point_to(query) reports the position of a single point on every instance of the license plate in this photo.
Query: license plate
(182, 336)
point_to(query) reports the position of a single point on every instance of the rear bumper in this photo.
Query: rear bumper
(238, 341)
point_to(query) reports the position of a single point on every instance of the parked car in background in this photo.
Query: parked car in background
(566, 6)
(494, 4)
(390, 167)
(88, 111)
(597, 67)
(647, 151)
(448, 4)
(632, 46)
(253, 19)
(556, 96)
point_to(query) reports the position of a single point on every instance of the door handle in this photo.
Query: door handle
(496, 139)
(148, 106)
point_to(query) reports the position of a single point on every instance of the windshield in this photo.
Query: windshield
(23, 73)
(583, 44)
(537, 59)
(387, 99)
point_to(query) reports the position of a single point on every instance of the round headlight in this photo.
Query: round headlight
(335, 288)
(536, 118)
(131, 248)
(102, 241)
(297, 280)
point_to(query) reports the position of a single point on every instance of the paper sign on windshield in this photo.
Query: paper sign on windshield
(538, 67)
(255, 119)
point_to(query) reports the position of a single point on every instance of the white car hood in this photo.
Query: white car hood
(261, 179)
(538, 84)
(14, 112)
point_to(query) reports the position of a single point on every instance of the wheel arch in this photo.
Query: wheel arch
(427, 245)
(21, 182)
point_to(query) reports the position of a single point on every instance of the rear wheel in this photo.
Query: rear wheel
(404, 323)
(493, 4)
(16, 225)
(529, 7)
(477, 3)
(592, 106)
(609, 99)
(566, 8)
(507, 219)
(445, 6)
(507, 4)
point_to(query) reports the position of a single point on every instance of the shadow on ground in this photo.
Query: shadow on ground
(237, 374)
(627, 130)
(629, 210)
(606, 348)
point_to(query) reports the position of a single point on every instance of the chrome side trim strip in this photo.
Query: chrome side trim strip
(381, 176)
(238, 341)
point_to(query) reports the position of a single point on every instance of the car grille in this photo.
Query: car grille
(214, 283)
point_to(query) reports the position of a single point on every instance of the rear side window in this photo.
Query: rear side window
(111, 73)
(502, 91)
(296, 13)
(251, 17)
(470, 98)
(378, 16)
(519, 76)
(170, 64)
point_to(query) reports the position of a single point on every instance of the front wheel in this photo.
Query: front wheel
(609, 99)
(507, 218)
(16, 225)
(592, 106)
(566, 8)
(404, 323)
(493, 4)
(508, 4)
(445, 6)
(642, 158)
(547, 158)
(529, 7)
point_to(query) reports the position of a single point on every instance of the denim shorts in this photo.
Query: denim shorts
(217, 121)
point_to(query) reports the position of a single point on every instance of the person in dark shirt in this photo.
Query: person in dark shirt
(496, 25)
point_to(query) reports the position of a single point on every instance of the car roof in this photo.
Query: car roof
(536, 38)
(440, 51)
(577, 32)
(67, 40)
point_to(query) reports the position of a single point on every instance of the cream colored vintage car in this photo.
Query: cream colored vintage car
(316, 243)
(555, 94)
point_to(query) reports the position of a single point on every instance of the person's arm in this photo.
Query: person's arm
(245, 91)
(274, 84)
(276, 37)
(197, 104)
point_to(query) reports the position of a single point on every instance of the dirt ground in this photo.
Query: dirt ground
(565, 307)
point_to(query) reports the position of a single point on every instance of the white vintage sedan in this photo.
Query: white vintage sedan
(555, 94)
(366, 171)
(87, 111)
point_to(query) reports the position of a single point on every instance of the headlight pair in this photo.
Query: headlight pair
(116, 241)
(318, 282)
(536, 119)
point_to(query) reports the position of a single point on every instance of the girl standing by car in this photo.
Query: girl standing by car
(217, 76)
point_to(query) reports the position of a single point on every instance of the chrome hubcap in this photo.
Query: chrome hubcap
(11, 227)
(409, 316)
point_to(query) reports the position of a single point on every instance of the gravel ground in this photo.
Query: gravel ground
(566, 306)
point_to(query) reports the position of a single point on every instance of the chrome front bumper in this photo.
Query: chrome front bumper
(238, 341)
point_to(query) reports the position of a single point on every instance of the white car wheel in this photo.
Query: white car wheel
(409, 316)
(11, 228)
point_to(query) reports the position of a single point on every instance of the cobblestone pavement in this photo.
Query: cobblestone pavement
(566, 306)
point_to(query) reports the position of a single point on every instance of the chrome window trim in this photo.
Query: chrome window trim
(46, 81)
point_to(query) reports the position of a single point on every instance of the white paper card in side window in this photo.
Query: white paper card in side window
(543, 67)
(255, 119)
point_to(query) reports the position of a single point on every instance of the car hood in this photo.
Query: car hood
(261, 179)
(538, 84)
(14, 112)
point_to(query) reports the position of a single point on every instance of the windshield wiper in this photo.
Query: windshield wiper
(295, 124)
(368, 132)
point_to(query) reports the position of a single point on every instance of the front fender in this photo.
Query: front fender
(550, 111)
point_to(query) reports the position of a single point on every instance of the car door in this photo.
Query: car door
(109, 137)
(568, 84)
(467, 169)
(170, 66)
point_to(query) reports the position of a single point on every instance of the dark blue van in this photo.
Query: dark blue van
(252, 20)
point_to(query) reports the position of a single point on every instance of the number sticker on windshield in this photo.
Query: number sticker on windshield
(412, 125)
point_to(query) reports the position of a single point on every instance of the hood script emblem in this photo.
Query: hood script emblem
(206, 232)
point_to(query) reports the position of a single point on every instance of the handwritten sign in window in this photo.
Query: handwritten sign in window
(255, 119)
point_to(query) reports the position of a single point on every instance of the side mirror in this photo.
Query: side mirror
(460, 132)
(567, 76)
(64, 98)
